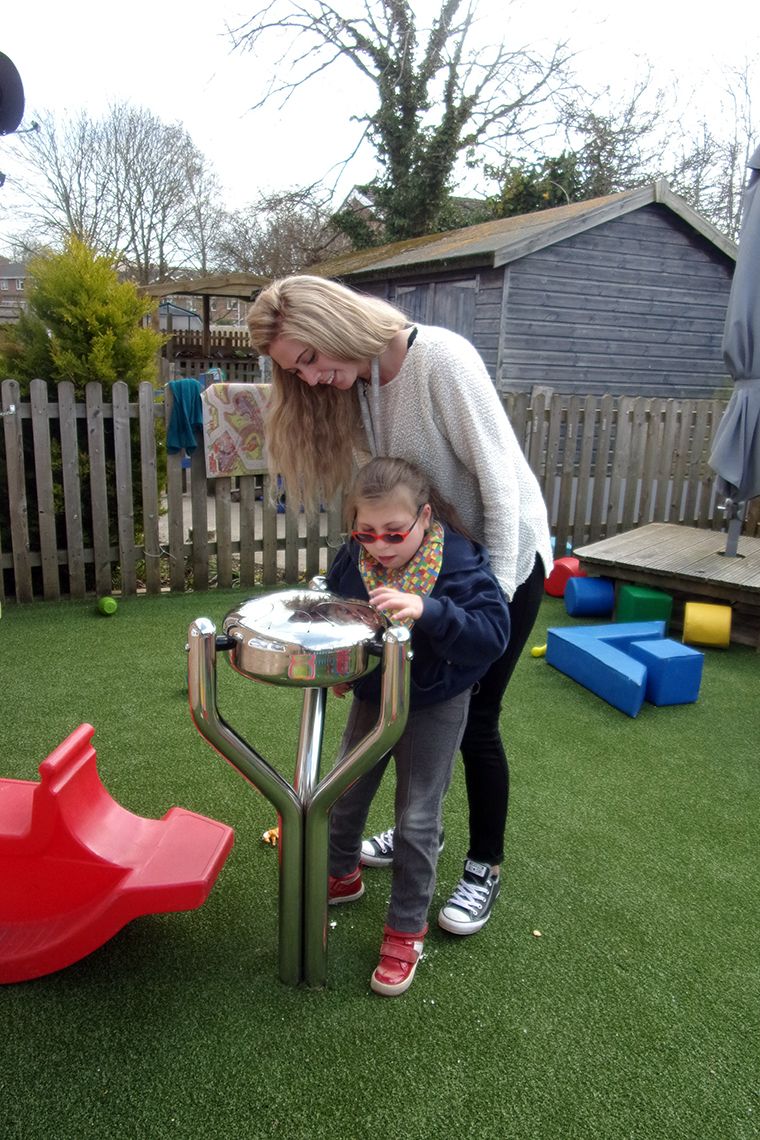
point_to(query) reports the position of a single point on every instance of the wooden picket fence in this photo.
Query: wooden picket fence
(230, 339)
(83, 511)
(608, 464)
(184, 354)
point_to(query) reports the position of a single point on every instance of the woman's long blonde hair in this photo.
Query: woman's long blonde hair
(311, 433)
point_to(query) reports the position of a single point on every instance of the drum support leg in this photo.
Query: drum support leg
(303, 808)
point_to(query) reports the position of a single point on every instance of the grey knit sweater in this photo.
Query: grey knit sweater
(442, 412)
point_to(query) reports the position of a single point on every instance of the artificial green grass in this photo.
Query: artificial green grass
(632, 848)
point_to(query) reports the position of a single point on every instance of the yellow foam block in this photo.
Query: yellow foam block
(707, 624)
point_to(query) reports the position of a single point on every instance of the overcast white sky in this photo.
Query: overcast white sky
(176, 60)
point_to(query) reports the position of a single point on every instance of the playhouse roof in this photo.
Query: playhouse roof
(243, 286)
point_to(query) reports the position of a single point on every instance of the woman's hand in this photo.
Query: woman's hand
(401, 606)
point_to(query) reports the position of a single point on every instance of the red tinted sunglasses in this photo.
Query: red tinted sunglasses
(394, 537)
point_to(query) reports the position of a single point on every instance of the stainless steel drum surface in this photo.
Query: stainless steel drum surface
(304, 638)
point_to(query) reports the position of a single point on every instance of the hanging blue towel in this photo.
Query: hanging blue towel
(187, 415)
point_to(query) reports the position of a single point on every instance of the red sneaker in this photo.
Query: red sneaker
(345, 888)
(399, 955)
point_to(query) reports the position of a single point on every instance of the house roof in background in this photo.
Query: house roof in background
(13, 269)
(500, 242)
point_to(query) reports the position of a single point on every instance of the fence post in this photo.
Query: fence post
(583, 486)
(125, 510)
(598, 525)
(149, 487)
(248, 485)
(101, 543)
(17, 503)
(223, 527)
(174, 507)
(72, 487)
(43, 475)
(653, 443)
(567, 476)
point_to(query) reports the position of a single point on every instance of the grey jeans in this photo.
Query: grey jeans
(424, 759)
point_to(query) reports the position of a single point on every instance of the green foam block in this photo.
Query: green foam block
(641, 603)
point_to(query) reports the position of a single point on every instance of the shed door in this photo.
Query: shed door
(450, 304)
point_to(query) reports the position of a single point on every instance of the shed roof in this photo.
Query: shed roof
(500, 242)
(177, 310)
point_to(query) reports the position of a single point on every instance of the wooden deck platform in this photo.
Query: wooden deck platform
(689, 564)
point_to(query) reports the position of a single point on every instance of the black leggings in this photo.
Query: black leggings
(485, 761)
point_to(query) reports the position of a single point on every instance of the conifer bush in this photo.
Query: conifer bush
(83, 323)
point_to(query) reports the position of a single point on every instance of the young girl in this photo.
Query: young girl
(406, 557)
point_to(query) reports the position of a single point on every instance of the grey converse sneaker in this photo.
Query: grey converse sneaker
(469, 908)
(377, 851)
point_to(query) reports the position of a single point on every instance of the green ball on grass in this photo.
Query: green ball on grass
(107, 606)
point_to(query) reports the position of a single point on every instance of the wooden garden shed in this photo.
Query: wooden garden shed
(624, 294)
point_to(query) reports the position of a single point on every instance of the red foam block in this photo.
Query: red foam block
(563, 570)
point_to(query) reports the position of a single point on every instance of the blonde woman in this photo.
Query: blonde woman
(353, 377)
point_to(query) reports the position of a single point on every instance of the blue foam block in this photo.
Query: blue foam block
(674, 671)
(617, 633)
(589, 597)
(597, 657)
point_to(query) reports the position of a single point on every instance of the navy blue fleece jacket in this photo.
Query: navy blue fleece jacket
(463, 629)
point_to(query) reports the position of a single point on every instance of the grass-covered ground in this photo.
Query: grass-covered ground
(632, 848)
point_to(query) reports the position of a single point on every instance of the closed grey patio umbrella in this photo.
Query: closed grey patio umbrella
(735, 454)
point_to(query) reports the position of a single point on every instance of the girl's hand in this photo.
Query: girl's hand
(341, 689)
(401, 606)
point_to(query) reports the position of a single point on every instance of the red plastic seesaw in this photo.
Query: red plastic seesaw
(75, 866)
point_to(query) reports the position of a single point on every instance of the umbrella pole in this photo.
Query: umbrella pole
(735, 516)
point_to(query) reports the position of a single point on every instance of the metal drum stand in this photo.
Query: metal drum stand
(309, 639)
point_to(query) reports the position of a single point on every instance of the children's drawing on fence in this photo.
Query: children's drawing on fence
(233, 428)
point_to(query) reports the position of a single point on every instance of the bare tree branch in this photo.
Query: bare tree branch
(438, 91)
(279, 234)
(126, 184)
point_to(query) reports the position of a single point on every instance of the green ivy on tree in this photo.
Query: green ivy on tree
(82, 324)
(527, 187)
(442, 88)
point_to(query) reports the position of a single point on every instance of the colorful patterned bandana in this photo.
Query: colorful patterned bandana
(418, 576)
